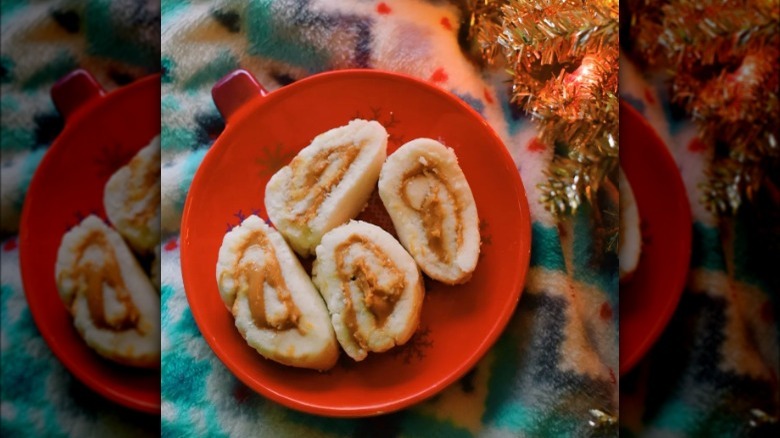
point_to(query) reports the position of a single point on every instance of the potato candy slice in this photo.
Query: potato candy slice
(275, 305)
(432, 208)
(372, 286)
(326, 184)
(114, 306)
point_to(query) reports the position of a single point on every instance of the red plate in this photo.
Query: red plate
(458, 324)
(648, 301)
(101, 134)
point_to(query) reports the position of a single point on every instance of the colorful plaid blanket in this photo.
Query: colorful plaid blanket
(553, 372)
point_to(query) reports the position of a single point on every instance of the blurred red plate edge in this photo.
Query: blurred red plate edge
(458, 324)
(102, 132)
(648, 301)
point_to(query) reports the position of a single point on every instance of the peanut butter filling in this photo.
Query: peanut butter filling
(149, 176)
(92, 278)
(308, 180)
(380, 299)
(257, 276)
(432, 210)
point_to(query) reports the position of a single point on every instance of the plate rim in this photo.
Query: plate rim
(524, 231)
(654, 332)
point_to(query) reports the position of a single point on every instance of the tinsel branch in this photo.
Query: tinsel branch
(722, 57)
(563, 58)
(484, 27)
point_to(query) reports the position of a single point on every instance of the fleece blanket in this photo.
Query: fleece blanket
(118, 42)
(552, 372)
(714, 371)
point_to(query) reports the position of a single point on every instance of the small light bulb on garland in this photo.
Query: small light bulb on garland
(563, 58)
(722, 57)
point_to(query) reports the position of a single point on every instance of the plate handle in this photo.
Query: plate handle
(234, 90)
(74, 91)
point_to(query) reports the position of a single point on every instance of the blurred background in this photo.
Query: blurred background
(118, 42)
(704, 74)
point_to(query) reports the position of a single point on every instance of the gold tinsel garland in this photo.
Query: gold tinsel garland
(722, 57)
(563, 58)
